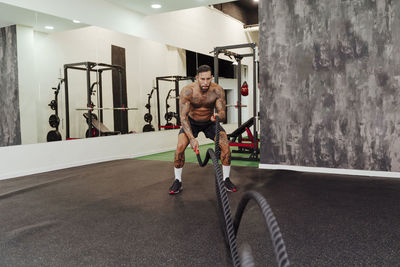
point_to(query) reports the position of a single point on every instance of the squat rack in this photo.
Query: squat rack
(176, 80)
(89, 67)
(253, 146)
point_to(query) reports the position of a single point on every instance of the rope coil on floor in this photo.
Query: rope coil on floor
(230, 228)
(272, 224)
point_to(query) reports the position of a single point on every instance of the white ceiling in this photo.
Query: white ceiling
(10, 15)
(144, 6)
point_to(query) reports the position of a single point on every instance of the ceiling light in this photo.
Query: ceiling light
(48, 27)
(155, 6)
(255, 0)
(76, 21)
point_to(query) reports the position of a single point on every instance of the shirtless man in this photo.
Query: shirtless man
(197, 102)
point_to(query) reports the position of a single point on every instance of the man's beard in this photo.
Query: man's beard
(205, 88)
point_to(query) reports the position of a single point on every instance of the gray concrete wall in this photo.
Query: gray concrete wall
(10, 130)
(330, 80)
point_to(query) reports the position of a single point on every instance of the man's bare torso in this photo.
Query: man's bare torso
(202, 104)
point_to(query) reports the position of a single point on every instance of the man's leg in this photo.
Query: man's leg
(179, 161)
(226, 161)
(183, 142)
(225, 151)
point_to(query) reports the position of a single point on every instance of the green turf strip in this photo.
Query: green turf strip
(190, 156)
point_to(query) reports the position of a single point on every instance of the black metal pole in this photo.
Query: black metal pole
(100, 83)
(235, 46)
(178, 118)
(66, 103)
(89, 97)
(56, 101)
(239, 93)
(123, 131)
(255, 86)
(216, 67)
(158, 104)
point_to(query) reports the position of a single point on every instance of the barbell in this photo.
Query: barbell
(236, 106)
(124, 109)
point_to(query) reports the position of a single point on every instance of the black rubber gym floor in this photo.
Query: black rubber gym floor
(119, 213)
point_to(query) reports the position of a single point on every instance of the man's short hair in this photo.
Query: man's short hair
(203, 68)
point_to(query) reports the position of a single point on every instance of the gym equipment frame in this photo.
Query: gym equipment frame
(176, 80)
(89, 67)
(253, 146)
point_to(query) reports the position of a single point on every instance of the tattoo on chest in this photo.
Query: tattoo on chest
(201, 101)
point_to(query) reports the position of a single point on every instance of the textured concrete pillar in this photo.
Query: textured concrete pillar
(330, 81)
(10, 131)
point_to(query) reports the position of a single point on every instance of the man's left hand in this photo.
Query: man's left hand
(213, 118)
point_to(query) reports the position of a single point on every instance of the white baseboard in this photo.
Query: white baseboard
(330, 170)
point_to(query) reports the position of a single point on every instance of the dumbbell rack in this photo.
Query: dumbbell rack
(54, 120)
(148, 117)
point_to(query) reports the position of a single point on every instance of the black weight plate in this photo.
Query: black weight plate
(148, 128)
(148, 117)
(53, 105)
(54, 121)
(53, 136)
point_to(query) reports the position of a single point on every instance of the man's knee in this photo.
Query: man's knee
(180, 148)
(223, 142)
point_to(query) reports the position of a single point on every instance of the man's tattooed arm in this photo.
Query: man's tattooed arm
(184, 105)
(220, 103)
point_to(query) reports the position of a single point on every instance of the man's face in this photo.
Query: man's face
(204, 80)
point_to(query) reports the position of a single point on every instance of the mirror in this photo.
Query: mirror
(43, 53)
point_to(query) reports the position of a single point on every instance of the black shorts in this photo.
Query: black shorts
(207, 127)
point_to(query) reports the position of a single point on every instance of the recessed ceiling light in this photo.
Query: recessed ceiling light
(76, 21)
(255, 0)
(48, 27)
(155, 6)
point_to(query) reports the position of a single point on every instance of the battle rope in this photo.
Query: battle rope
(222, 198)
(230, 228)
(272, 224)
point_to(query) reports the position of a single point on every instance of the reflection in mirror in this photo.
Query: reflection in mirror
(142, 61)
(25, 124)
(44, 53)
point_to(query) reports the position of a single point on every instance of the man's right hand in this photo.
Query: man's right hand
(194, 144)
